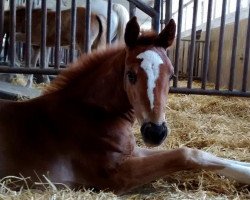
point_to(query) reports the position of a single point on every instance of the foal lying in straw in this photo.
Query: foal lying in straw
(79, 131)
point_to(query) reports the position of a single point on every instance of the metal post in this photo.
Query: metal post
(247, 55)
(132, 9)
(221, 44)
(145, 8)
(192, 48)
(156, 18)
(43, 34)
(58, 34)
(28, 22)
(234, 46)
(168, 12)
(73, 31)
(12, 32)
(178, 42)
(87, 47)
(207, 45)
(162, 21)
(1, 24)
(109, 22)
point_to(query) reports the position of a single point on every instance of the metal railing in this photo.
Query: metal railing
(160, 14)
(217, 90)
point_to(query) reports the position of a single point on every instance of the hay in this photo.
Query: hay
(220, 125)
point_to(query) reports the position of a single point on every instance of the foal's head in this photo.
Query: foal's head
(148, 73)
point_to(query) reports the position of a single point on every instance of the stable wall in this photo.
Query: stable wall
(226, 55)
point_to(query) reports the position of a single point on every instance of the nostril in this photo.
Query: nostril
(154, 133)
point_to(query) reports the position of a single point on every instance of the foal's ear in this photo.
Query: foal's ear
(132, 32)
(167, 35)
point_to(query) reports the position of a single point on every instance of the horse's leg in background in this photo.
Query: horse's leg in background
(147, 165)
(6, 48)
(1, 45)
(34, 59)
(46, 78)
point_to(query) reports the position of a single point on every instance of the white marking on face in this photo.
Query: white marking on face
(151, 65)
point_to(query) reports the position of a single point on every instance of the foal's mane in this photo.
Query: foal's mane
(89, 62)
(83, 66)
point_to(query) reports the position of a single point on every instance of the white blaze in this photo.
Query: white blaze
(151, 65)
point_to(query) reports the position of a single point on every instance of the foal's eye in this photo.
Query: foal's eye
(132, 77)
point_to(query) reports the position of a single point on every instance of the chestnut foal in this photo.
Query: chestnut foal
(80, 131)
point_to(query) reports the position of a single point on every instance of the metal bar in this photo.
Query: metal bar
(87, 27)
(207, 45)
(221, 44)
(12, 32)
(145, 8)
(234, 46)
(43, 35)
(28, 22)
(247, 55)
(162, 22)
(132, 9)
(109, 22)
(156, 18)
(192, 48)
(19, 70)
(8, 96)
(1, 25)
(58, 33)
(210, 92)
(184, 6)
(73, 31)
(178, 42)
(168, 12)
(182, 64)
(188, 40)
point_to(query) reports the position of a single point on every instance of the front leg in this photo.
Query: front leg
(148, 165)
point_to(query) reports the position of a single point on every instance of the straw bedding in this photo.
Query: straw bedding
(220, 125)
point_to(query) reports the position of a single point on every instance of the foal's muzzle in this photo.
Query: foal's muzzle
(154, 134)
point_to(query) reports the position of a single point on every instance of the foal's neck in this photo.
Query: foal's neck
(97, 81)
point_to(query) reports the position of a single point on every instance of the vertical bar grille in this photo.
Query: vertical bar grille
(247, 55)
(192, 47)
(12, 32)
(1, 24)
(221, 45)
(132, 9)
(207, 45)
(156, 19)
(168, 12)
(87, 27)
(234, 46)
(43, 35)
(28, 32)
(109, 22)
(58, 34)
(178, 42)
(73, 31)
